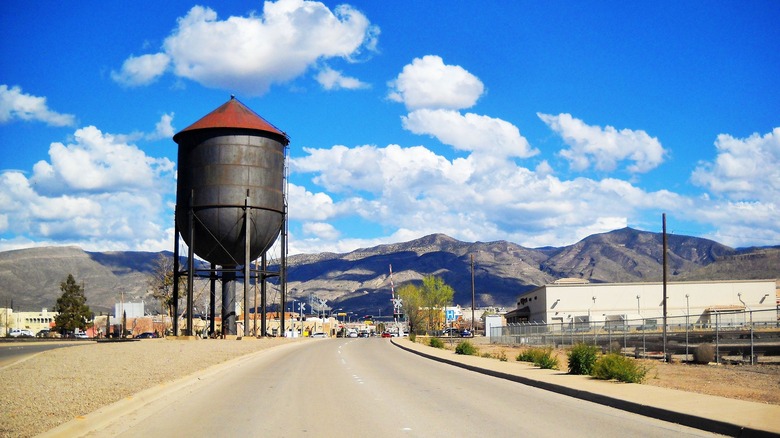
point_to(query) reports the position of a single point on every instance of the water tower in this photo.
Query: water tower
(230, 202)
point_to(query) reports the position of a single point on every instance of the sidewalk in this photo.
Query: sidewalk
(705, 412)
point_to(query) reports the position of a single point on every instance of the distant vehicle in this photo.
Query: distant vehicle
(20, 333)
(457, 333)
(616, 328)
(452, 332)
(649, 324)
(352, 334)
(81, 335)
(45, 333)
(387, 335)
(146, 335)
(318, 335)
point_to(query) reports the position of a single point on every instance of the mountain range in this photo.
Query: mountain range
(360, 280)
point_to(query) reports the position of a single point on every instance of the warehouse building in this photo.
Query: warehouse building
(577, 303)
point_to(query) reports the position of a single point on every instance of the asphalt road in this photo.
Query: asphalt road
(368, 387)
(12, 352)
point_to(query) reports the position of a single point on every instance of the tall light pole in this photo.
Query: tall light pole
(687, 321)
(589, 322)
(663, 218)
(638, 312)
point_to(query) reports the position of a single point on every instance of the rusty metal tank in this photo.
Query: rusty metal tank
(229, 160)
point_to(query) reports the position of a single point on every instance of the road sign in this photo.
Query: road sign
(450, 315)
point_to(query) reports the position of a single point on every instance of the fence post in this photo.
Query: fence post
(717, 337)
(751, 339)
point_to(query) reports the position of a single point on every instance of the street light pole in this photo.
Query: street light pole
(687, 323)
(292, 319)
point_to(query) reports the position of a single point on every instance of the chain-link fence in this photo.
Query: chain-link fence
(741, 336)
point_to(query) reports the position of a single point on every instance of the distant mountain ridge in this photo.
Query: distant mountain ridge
(360, 280)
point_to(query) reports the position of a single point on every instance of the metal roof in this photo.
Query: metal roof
(233, 114)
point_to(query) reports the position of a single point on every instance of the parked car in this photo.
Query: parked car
(20, 333)
(81, 335)
(387, 335)
(451, 332)
(318, 335)
(457, 333)
(146, 335)
(649, 324)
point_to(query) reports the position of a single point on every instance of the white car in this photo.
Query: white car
(20, 333)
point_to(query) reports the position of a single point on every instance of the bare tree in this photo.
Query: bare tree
(160, 282)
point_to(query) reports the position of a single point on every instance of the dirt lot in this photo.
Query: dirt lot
(760, 383)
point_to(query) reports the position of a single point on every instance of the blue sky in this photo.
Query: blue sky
(538, 123)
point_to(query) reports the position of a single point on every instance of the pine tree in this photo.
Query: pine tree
(72, 307)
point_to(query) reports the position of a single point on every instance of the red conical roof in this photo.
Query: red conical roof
(233, 114)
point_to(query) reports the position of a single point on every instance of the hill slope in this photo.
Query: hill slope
(360, 280)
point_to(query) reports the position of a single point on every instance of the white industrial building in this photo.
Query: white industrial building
(572, 302)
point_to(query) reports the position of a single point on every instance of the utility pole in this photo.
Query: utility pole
(472, 294)
(663, 218)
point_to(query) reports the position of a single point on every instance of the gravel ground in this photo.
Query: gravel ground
(758, 383)
(59, 385)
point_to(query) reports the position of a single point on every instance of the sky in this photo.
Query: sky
(538, 123)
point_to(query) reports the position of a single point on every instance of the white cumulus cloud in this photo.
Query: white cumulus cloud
(470, 132)
(415, 190)
(163, 128)
(14, 104)
(141, 70)
(97, 192)
(604, 148)
(97, 162)
(746, 168)
(321, 230)
(249, 54)
(333, 80)
(429, 83)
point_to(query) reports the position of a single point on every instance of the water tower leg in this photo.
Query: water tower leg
(263, 319)
(176, 276)
(212, 299)
(228, 300)
(247, 265)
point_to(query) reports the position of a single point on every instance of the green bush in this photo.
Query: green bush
(412, 336)
(466, 348)
(618, 367)
(581, 359)
(541, 357)
(501, 355)
(436, 343)
(525, 356)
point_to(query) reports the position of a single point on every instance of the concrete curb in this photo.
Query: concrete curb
(685, 419)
